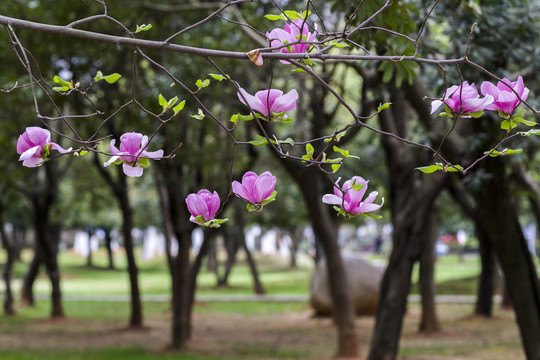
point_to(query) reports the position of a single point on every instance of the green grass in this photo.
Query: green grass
(128, 353)
(249, 307)
(452, 276)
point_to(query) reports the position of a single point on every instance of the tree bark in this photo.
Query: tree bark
(7, 274)
(497, 214)
(27, 289)
(326, 231)
(412, 195)
(429, 322)
(119, 188)
(108, 245)
(136, 316)
(486, 282)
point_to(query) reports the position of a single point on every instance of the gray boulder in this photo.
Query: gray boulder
(364, 281)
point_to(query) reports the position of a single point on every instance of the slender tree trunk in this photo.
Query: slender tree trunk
(412, 195)
(7, 274)
(232, 251)
(89, 262)
(500, 220)
(486, 282)
(326, 230)
(429, 322)
(27, 289)
(136, 316)
(181, 325)
(108, 245)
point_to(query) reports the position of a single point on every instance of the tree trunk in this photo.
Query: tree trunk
(412, 195)
(429, 322)
(486, 282)
(232, 249)
(108, 245)
(497, 214)
(181, 325)
(8, 267)
(27, 290)
(326, 231)
(136, 316)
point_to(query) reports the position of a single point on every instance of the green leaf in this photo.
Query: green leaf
(383, 107)
(337, 44)
(305, 14)
(61, 88)
(477, 114)
(523, 121)
(293, 15)
(143, 27)
(287, 141)
(275, 17)
(57, 79)
(310, 150)
(530, 132)
(219, 77)
(345, 153)
(199, 116)
(179, 107)
(378, 217)
(335, 167)
(508, 125)
(143, 162)
(112, 78)
(261, 141)
(298, 70)
(430, 169)
(495, 153)
(163, 102)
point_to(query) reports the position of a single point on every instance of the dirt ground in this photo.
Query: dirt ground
(292, 335)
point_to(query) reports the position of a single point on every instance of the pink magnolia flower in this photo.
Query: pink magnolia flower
(504, 98)
(269, 102)
(350, 199)
(204, 204)
(293, 32)
(255, 189)
(35, 145)
(132, 153)
(462, 99)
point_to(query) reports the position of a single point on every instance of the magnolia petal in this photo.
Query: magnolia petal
(60, 149)
(286, 102)
(252, 102)
(33, 161)
(131, 142)
(239, 190)
(114, 150)
(111, 160)
(332, 199)
(268, 97)
(213, 205)
(488, 88)
(264, 187)
(156, 155)
(364, 208)
(197, 206)
(435, 105)
(38, 136)
(132, 171)
(32, 152)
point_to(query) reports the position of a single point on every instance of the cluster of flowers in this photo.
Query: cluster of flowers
(35, 145)
(464, 100)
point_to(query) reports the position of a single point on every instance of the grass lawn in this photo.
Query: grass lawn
(452, 276)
